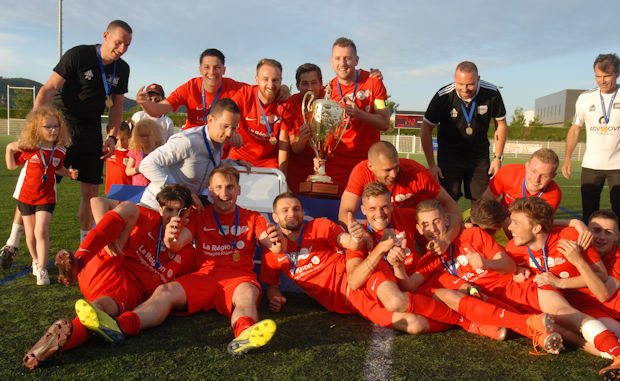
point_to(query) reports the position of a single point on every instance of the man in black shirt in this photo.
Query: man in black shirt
(463, 110)
(88, 79)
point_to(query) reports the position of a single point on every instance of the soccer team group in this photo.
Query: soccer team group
(506, 264)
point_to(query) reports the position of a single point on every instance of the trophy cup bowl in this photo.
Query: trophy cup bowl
(327, 122)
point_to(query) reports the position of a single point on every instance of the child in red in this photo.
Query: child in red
(116, 163)
(41, 150)
(145, 137)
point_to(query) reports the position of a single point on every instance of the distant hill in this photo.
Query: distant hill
(25, 82)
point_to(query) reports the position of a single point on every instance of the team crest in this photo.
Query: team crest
(592, 108)
(304, 253)
(482, 109)
(115, 81)
(240, 245)
(315, 260)
(55, 161)
(454, 113)
(361, 95)
(273, 119)
(88, 75)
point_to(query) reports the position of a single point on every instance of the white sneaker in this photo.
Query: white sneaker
(43, 278)
(35, 268)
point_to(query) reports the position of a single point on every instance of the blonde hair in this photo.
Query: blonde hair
(146, 125)
(30, 138)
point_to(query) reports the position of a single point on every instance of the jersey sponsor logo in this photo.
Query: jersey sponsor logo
(283, 258)
(214, 250)
(271, 118)
(564, 274)
(551, 262)
(208, 229)
(592, 108)
(114, 81)
(501, 315)
(374, 284)
(599, 130)
(616, 105)
(88, 75)
(250, 119)
(125, 160)
(150, 236)
(402, 197)
(362, 94)
(454, 113)
(34, 159)
(482, 109)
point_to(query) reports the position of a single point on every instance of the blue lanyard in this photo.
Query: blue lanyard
(393, 186)
(294, 259)
(538, 195)
(468, 116)
(236, 233)
(264, 116)
(106, 85)
(204, 137)
(204, 105)
(453, 272)
(357, 77)
(157, 263)
(376, 239)
(544, 257)
(607, 113)
(46, 165)
(142, 152)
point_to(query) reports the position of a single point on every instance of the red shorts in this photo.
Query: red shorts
(105, 276)
(214, 290)
(588, 304)
(521, 295)
(441, 279)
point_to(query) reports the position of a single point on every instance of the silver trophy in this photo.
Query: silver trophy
(327, 121)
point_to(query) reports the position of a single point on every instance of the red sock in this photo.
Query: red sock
(242, 323)
(489, 314)
(79, 335)
(437, 326)
(102, 234)
(431, 308)
(129, 322)
(607, 341)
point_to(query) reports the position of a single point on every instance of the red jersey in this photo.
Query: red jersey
(115, 169)
(508, 182)
(612, 262)
(214, 249)
(557, 264)
(321, 271)
(455, 258)
(257, 148)
(190, 93)
(300, 165)
(140, 257)
(414, 183)
(30, 188)
(403, 224)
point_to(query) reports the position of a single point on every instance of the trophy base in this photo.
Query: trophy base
(318, 189)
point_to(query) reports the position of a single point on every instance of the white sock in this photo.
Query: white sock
(16, 235)
(83, 234)
(606, 355)
(591, 329)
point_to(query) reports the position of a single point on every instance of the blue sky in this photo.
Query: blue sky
(530, 48)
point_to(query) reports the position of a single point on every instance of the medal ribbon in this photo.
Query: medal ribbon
(607, 112)
(46, 165)
(264, 116)
(393, 186)
(468, 116)
(204, 105)
(157, 263)
(204, 137)
(538, 195)
(107, 86)
(236, 233)
(544, 257)
(357, 77)
(377, 239)
(294, 259)
(453, 272)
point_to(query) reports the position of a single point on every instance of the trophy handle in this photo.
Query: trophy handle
(306, 105)
(340, 133)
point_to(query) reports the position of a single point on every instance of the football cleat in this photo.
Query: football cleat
(490, 331)
(551, 342)
(252, 337)
(99, 322)
(611, 372)
(542, 323)
(7, 254)
(68, 267)
(51, 342)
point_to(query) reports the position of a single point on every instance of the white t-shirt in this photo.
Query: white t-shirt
(164, 120)
(602, 143)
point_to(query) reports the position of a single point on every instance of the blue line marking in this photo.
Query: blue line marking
(28, 270)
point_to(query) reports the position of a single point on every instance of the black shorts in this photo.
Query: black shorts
(475, 180)
(85, 151)
(29, 210)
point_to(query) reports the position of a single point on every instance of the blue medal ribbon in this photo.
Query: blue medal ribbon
(204, 105)
(538, 195)
(236, 233)
(377, 239)
(157, 263)
(107, 86)
(470, 115)
(445, 265)
(291, 258)
(544, 257)
(264, 116)
(46, 165)
(357, 77)
(204, 137)
(607, 112)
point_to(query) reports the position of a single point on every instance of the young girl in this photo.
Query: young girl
(145, 137)
(40, 148)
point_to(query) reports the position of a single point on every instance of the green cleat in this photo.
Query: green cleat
(98, 321)
(252, 337)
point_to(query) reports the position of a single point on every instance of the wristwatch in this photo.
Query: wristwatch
(113, 138)
(500, 157)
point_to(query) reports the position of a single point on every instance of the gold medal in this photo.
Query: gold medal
(273, 140)
(236, 256)
(108, 102)
(604, 128)
(469, 130)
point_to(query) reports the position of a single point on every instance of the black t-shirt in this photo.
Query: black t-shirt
(82, 97)
(454, 146)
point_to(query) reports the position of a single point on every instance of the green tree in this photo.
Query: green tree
(391, 104)
(518, 119)
(22, 99)
(536, 122)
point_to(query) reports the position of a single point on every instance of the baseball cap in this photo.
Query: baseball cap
(155, 88)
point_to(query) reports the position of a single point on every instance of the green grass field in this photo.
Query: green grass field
(310, 344)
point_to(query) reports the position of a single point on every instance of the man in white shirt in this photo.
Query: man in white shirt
(156, 93)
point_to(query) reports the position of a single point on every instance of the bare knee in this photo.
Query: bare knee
(411, 323)
(396, 303)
